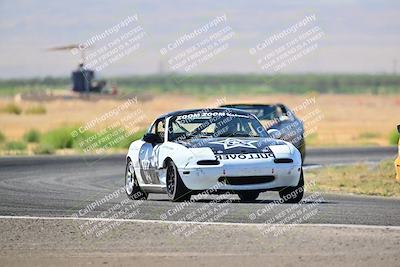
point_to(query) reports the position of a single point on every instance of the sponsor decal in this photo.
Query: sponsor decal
(230, 143)
(245, 156)
(206, 115)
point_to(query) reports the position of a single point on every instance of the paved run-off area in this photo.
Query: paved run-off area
(60, 242)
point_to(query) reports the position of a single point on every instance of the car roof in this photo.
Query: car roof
(187, 111)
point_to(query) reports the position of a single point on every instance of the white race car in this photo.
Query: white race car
(187, 152)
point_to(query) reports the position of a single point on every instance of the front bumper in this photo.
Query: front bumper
(205, 177)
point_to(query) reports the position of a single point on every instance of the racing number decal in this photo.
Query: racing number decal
(147, 160)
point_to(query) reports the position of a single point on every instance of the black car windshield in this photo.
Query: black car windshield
(214, 124)
(264, 112)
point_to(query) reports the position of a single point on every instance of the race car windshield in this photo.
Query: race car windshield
(214, 124)
(264, 112)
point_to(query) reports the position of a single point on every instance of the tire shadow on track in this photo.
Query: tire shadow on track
(237, 201)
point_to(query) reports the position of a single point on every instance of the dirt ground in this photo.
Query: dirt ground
(330, 120)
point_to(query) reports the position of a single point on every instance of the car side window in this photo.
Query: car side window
(152, 128)
(160, 129)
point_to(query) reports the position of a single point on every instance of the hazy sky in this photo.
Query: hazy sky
(359, 36)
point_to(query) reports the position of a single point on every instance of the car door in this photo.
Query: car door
(148, 155)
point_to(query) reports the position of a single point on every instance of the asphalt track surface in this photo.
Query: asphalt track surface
(64, 186)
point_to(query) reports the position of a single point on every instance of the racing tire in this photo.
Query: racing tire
(293, 194)
(248, 195)
(176, 189)
(132, 188)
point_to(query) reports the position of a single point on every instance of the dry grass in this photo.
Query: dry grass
(347, 120)
(358, 179)
(36, 110)
(11, 108)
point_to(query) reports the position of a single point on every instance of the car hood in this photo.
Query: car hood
(234, 145)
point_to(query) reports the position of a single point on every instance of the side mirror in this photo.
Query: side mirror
(398, 128)
(274, 133)
(152, 138)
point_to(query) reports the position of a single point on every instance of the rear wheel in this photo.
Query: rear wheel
(293, 194)
(132, 187)
(248, 195)
(176, 189)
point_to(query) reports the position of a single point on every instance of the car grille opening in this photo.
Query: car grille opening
(245, 180)
(208, 162)
(285, 160)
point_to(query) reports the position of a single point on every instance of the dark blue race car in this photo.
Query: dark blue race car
(280, 118)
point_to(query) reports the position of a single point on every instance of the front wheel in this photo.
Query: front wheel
(248, 195)
(132, 187)
(176, 189)
(293, 194)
